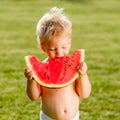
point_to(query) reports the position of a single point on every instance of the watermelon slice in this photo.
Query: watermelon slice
(56, 73)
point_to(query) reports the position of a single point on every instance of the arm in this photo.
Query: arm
(83, 86)
(33, 89)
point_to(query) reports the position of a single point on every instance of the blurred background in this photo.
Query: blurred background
(96, 28)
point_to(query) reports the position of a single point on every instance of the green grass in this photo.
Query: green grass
(96, 26)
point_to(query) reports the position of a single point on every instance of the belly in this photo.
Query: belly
(60, 104)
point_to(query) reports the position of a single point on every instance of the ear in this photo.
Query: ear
(42, 47)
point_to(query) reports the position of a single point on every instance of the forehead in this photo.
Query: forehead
(61, 40)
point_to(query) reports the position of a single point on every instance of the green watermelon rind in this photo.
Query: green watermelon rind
(54, 85)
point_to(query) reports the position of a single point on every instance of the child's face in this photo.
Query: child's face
(58, 47)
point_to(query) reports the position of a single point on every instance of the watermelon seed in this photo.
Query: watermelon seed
(45, 73)
(60, 79)
(48, 78)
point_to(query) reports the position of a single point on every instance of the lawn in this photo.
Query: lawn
(96, 26)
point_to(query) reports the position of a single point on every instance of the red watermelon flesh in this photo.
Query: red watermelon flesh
(56, 73)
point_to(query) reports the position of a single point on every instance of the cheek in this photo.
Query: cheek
(68, 50)
(51, 55)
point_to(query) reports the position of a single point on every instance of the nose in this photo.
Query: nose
(59, 53)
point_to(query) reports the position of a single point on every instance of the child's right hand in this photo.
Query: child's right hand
(28, 73)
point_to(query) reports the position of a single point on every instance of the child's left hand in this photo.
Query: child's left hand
(82, 69)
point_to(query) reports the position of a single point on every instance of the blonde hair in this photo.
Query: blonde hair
(53, 24)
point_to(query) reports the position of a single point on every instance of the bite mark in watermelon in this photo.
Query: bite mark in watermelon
(56, 73)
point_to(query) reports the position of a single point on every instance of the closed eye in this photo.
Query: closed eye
(51, 49)
(64, 47)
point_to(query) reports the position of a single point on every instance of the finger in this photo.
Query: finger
(80, 66)
(28, 69)
(81, 72)
(28, 73)
(84, 66)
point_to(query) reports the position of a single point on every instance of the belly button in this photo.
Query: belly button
(65, 111)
